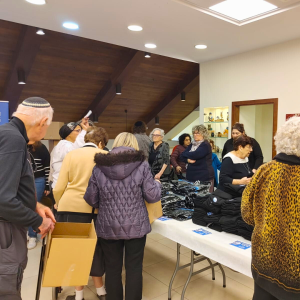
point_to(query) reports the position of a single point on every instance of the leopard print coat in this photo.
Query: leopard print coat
(271, 203)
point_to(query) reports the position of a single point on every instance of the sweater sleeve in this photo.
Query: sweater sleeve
(184, 154)
(166, 154)
(92, 192)
(175, 157)
(79, 140)
(218, 163)
(63, 179)
(224, 152)
(258, 155)
(201, 152)
(46, 164)
(151, 188)
(226, 173)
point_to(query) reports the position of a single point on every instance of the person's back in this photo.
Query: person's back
(144, 143)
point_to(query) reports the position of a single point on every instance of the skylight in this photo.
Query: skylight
(243, 9)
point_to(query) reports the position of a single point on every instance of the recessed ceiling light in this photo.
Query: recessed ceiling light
(200, 46)
(147, 54)
(71, 25)
(151, 46)
(40, 32)
(243, 9)
(135, 28)
(37, 2)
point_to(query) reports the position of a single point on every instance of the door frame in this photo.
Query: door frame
(236, 114)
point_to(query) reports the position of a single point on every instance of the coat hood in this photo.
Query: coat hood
(120, 162)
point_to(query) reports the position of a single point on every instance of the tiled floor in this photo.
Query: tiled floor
(159, 264)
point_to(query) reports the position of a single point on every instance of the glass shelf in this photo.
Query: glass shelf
(216, 122)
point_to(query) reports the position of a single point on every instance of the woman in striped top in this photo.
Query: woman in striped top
(40, 161)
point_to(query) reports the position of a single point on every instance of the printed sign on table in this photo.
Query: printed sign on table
(241, 245)
(202, 231)
(164, 219)
(4, 112)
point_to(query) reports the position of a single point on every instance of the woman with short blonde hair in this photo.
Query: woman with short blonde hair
(126, 139)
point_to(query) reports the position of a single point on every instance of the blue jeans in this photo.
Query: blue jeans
(40, 184)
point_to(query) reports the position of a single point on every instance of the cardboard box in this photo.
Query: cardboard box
(69, 255)
(154, 211)
(53, 131)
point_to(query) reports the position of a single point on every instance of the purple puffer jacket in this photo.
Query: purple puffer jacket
(120, 183)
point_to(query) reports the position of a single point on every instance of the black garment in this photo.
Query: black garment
(113, 256)
(17, 189)
(256, 158)
(231, 170)
(98, 267)
(202, 169)
(13, 260)
(198, 216)
(262, 294)
(231, 207)
(158, 157)
(40, 160)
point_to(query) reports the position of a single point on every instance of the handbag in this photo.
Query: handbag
(154, 210)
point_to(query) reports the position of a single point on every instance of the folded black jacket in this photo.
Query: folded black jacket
(199, 200)
(212, 218)
(230, 220)
(215, 226)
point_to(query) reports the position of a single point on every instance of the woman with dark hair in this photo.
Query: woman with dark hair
(69, 191)
(139, 131)
(180, 166)
(235, 168)
(256, 157)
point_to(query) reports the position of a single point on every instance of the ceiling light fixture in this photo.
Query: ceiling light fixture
(183, 96)
(243, 9)
(21, 76)
(118, 89)
(157, 120)
(151, 46)
(147, 54)
(70, 25)
(37, 2)
(135, 28)
(40, 32)
(200, 46)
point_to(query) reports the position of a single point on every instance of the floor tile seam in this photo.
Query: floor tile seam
(154, 263)
(157, 280)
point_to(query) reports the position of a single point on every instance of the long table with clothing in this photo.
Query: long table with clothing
(226, 249)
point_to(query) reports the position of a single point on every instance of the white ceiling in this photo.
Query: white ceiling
(173, 27)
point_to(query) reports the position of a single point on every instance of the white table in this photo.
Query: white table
(216, 246)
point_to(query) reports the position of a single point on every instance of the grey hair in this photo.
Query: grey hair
(36, 114)
(202, 130)
(162, 132)
(287, 138)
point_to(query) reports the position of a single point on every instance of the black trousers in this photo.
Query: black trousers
(113, 256)
(13, 260)
(262, 294)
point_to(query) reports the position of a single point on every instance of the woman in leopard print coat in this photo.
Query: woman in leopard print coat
(271, 203)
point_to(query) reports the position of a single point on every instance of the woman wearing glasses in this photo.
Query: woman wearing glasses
(159, 156)
(198, 156)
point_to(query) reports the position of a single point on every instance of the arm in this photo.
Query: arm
(218, 163)
(79, 140)
(12, 209)
(92, 193)
(166, 160)
(63, 179)
(183, 156)
(226, 174)
(258, 155)
(151, 188)
(46, 164)
(174, 158)
(201, 152)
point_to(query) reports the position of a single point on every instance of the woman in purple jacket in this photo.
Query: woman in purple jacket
(120, 183)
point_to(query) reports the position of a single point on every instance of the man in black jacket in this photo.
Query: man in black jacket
(18, 206)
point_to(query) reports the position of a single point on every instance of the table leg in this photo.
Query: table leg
(223, 273)
(212, 269)
(190, 275)
(175, 272)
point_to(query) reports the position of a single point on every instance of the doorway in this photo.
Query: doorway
(260, 120)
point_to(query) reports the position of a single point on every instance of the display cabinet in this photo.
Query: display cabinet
(216, 120)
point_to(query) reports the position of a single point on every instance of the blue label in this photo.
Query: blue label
(241, 245)
(4, 113)
(202, 231)
(164, 219)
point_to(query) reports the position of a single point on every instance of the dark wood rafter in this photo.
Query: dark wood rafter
(186, 85)
(123, 72)
(25, 53)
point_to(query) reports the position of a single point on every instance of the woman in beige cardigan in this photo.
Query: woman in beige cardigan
(71, 186)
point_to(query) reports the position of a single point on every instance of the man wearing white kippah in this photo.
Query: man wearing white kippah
(18, 205)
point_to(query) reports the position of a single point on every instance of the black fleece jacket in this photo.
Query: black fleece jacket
(17, 189)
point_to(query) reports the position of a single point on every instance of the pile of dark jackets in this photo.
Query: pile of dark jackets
(220, 212)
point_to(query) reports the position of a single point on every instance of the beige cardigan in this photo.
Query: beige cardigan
(73, 180)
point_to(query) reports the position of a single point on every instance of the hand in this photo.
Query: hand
(157, 176)
(46, 193)
(254, 171)
(85, 123)
(245, 180)
(55, 206)
(191, 161)
(178, 169)
(45, 212)
(157, 180)
(46, 226)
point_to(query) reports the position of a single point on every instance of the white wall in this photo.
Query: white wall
(247, 117)
(272, 72)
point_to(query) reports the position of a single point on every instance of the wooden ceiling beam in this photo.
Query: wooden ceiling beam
(25, 53)
(186, 85)
(122, 73)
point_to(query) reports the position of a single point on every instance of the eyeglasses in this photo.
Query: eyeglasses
(196, 133)
(156, 135)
